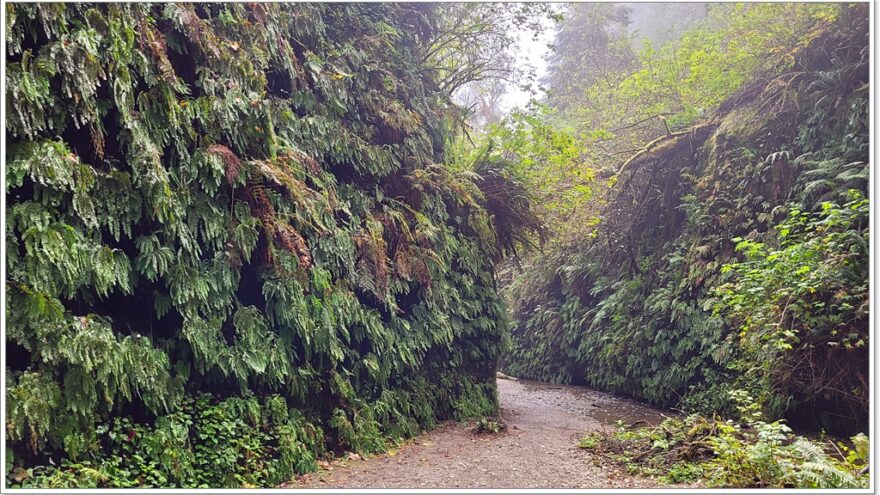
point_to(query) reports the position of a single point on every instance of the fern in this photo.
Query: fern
(198, 201)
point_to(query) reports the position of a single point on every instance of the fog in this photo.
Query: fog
(653, 22)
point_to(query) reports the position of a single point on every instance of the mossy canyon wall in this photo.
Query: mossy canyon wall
(733, 255)
(230, 242)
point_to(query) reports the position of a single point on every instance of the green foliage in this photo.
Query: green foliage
(727, 454)
(205, 443)
(617, 106)
(589, 441)
(639, 302)
(682, 472)
(546, 159)
(806, 302)
(733, 45)
(489, 426)
(246, 201)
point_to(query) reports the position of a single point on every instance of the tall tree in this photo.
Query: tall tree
(592, 43)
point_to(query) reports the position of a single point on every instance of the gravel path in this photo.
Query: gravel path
(538, 450)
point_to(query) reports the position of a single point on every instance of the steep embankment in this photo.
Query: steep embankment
(229, 246)
(774, 184)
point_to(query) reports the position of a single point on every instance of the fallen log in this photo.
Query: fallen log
(502, 376)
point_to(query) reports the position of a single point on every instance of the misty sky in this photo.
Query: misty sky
(656, 21)
(533, 53)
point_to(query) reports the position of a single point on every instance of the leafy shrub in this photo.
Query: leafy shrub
(727, 454)
(490, 426)
(589, 441)
(804, 300)
(682, 472)
(207, 443)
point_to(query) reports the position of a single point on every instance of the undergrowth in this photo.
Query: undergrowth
(748, 453)
(205, 443)
(490, 426)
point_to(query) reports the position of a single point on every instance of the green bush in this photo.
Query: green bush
(751, 453)
(802, 299)
(206, 443)
(682, 472)
(489, 426)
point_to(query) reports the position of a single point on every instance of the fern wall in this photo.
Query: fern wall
(645, 306)
(243, 201)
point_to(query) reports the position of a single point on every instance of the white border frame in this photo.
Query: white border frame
(872, 421)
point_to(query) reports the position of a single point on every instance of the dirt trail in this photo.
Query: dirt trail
(539, 449)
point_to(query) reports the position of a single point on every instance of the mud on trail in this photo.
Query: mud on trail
(538, 450)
